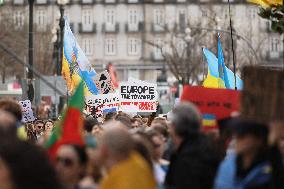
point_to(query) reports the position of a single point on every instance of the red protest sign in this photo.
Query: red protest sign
(220, 102)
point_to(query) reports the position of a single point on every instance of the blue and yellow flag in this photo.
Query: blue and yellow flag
(267, 3)
(75, 65)
(219, 76)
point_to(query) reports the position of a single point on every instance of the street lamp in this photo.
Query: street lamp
(61, 4)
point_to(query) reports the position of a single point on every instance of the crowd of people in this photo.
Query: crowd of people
(134, 152)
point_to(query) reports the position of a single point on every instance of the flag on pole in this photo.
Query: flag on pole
(69, 130)
(213, 78)
(75, 65)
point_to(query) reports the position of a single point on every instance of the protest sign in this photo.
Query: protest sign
(102, 103)
(217, 103)
(104, 83)
(263, 94)
(138, 96)
(27, 112)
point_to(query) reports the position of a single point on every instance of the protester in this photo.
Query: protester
(249, 167)
(7, 126)
(48, 125)
(71, 162)
(25, 166)
(39, 128)
(126, 169)
(89, 123)
(160, 165)
(31, 132)
(97, 130)
(194, 162)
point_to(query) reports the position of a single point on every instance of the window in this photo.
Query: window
(88, 46)
(157, 49)
(41, 18)
(133, 74)
(275, 45)
(110, 46)
(226, 11)
(18, 19)
(87, 19)
(110, 16)
(132, 17)
(252, 12)
(133, 46)
(159, 17)
(182, 19)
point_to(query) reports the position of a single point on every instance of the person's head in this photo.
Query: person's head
(12, 107)
(25, 166)
(89, 123)
(38, 124)
(97, 130)
(185, 122)
(48, 125)
(158, 143)
(7, 125)
(124, 120)
(115, 145)
(109, 116)
(71, 162)
(136, 123)
(163, 130)
(144, 146)
(251, 136)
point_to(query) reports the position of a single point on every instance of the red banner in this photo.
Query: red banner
(219, 102)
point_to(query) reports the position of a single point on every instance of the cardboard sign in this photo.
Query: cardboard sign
(218, 102)
(104, 83)
(27, 111)
(263, 94)
(102, 103)
(138, 96)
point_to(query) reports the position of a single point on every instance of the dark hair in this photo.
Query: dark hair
(125, 120)
(89, 123)
(29, 165)
(38, 121)
(186, 120)
(109, 116)
(49, 120)
(81, 153)
(161, 129)
(12, 107)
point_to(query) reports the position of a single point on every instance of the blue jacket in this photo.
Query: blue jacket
(226, 176)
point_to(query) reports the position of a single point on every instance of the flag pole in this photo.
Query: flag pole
(233, 51)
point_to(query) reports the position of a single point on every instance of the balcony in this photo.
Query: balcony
(109, 1)
(87, 2)
(110, 28)
(139, 27)
(91, 28)
(273, 55)
(155, 57)
(19, 2)
(158, 28)
(42, 2)
(134, 1)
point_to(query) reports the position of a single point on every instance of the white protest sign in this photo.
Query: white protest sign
(27, 111)
(104, 83)
(103, 102)
(138, 96)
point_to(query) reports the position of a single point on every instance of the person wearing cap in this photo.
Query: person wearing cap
(194, 161)
(248, 167)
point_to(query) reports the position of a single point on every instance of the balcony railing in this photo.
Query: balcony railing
(19, 2)
(156, 56)
(158, 28)
(87, 2)
(42, 2)
(92, 28)
(273, 55)
(139, 27)
(110, 1)
(110, 28)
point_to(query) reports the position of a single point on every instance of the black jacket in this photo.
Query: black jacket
(193, 165)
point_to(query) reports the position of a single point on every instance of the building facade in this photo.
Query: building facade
(121, 31)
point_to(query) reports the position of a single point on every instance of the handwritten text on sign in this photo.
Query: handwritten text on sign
(27, 111)
(103, 102)
(219, 102)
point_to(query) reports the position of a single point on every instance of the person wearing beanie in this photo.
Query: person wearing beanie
(195, 161)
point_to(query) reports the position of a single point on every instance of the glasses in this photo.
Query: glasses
(67, 162)
(39, 127)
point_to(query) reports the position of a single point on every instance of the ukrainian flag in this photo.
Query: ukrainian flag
(75, 65)
(209, 122)
(219, 76)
